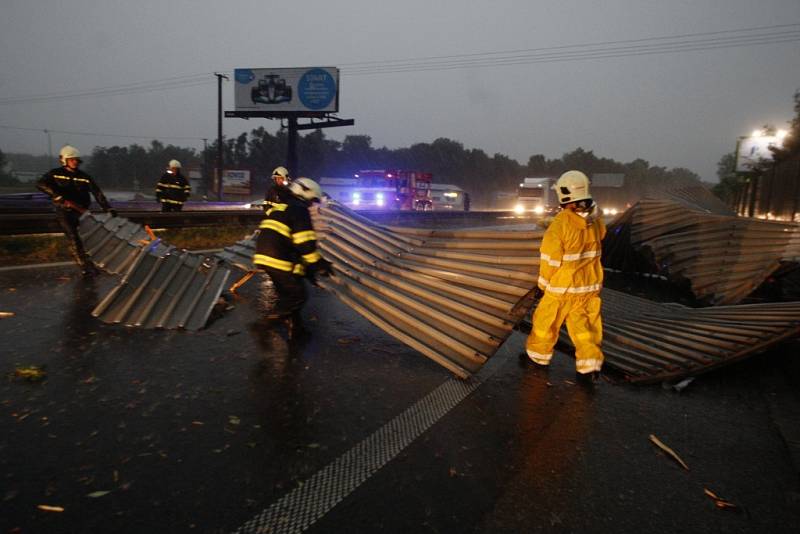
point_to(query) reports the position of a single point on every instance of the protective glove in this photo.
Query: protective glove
(538, 293)
(324, 267)
(70, 205)
(311, 276)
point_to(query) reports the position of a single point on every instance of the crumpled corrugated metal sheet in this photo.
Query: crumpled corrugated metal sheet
(724, 258)
(240, 254)
(114, 242)
(651, 342)
(451, 295)
(162, 287)
(454, 296)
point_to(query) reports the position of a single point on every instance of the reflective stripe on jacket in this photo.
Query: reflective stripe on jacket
(75, 186)
(570, 255)
(173, 188)
(287, 241)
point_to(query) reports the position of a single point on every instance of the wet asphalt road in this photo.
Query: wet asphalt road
(166, 431)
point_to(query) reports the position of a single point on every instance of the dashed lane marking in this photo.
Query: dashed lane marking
(302, 507)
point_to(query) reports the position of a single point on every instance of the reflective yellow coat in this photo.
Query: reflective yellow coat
(571, 276)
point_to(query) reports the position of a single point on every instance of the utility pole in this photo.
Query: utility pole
(205, 167)
(49, 145)
(219, 133)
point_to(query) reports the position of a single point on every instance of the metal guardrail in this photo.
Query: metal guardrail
(45, 222)
(42, 222)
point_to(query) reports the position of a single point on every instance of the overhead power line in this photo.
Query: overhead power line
(601, 43)
(141, 87)
(98, 134)
(752, 36)
(574, 52)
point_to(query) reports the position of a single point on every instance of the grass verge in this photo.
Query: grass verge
(47, 248)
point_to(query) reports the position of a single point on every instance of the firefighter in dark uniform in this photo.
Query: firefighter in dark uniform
(69, 189)
(286, 249)
(279, 189)
(173, 189)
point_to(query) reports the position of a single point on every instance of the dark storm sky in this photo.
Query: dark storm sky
(515, 77)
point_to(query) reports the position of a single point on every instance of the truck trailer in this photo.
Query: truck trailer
(536, 196)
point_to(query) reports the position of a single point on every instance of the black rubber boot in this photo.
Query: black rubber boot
(294, 327)
(588, 379)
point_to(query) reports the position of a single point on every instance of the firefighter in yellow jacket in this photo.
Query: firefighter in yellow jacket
(570, 279)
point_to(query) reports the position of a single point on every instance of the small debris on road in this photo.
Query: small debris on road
(669, 451)
(31, 373)
(721, 503)
(48, 508)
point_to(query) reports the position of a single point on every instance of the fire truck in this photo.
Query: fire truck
(382, 190)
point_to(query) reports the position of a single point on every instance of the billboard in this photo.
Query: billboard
(752, 150)
(287, 90)
(235, 182)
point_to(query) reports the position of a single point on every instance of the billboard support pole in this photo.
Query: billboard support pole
(291, 149)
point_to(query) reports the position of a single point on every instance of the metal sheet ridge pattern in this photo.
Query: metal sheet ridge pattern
(724, 258)
(162, 287)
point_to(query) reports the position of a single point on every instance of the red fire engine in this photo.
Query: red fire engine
(411, 189)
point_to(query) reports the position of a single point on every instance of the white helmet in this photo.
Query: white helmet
(572, 186)
(68, 152)
(282, 172)
(306, 188)
(174, 164)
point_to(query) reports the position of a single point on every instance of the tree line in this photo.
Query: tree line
(481, 174)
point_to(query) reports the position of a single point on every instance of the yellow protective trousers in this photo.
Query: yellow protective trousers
(582, 314)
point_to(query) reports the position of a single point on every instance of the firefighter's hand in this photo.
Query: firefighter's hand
(70, 205)
(324, 268)
(311, 276)
(538, 293)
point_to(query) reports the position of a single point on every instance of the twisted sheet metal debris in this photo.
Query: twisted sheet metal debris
(114, 242)
(651, 342)
(450, 295)
(723, 258)
(162, 287)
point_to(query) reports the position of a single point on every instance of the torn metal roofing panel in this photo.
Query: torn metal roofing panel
(176, 290)
(724, 258)
(240, 254)
(652, 342)
(162, 287)
(114, 242)
(448, 294)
